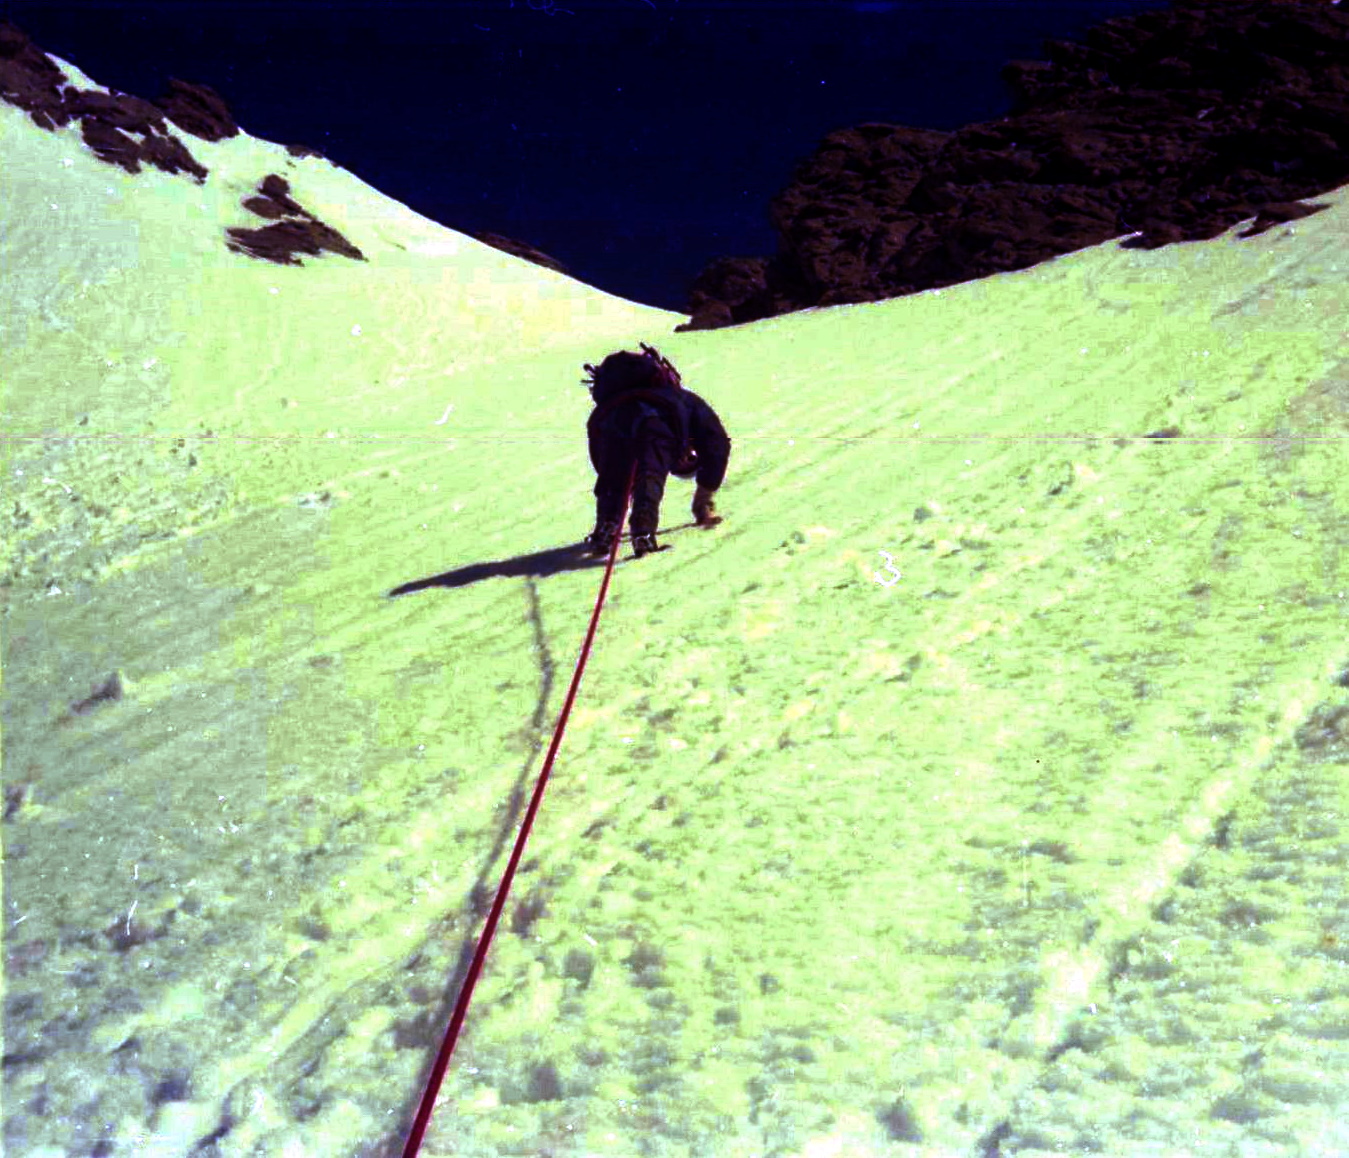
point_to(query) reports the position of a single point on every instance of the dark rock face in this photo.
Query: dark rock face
(294, 229)
(29, 80)
(107, 122)
(35, 84)
(1167, 126)
(126, 131)
(733, 288)
(199, 110)
(520, 249)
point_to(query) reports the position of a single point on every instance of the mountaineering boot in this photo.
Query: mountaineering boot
(601, 538)
(646, 514)
(647, 491)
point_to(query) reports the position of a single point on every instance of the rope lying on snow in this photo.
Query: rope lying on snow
(442, 1063)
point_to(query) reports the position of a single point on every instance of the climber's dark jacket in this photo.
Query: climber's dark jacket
(656, 426)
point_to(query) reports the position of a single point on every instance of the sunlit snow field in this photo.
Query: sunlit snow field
(1038, 848)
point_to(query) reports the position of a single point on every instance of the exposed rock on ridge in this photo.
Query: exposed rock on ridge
(294, 229)
(36, 84)
(521, 249)
(33, 82)
(1171, 126)
(198, 109)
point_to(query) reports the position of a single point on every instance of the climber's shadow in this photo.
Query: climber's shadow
(540, 563)
(548, 562)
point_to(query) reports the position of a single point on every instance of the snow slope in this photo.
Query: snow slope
(1038, 849)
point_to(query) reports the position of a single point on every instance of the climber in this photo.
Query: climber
(644, 415)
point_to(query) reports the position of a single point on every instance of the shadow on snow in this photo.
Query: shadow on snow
(538, 563)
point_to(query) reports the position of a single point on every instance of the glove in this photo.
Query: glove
(704, 511)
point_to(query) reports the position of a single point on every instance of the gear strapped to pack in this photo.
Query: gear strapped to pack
(625, 370)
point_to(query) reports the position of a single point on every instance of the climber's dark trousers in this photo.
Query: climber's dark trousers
(656, 450)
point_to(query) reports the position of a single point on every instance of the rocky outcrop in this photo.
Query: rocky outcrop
(129, 132)
(294, 230)
(521, 249)
(1167, 126)
(126, 131)
(121, 130)
(199, 110)
(734, 289)
(107, 122)
(30, 80)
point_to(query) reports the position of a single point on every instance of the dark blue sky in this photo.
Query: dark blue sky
(633, 140)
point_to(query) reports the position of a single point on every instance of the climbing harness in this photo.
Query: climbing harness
(442, 1062)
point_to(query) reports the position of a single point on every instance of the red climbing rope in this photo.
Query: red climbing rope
(428, 1102)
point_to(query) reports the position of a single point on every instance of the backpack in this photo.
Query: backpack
(623, 371)
(645, 378)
